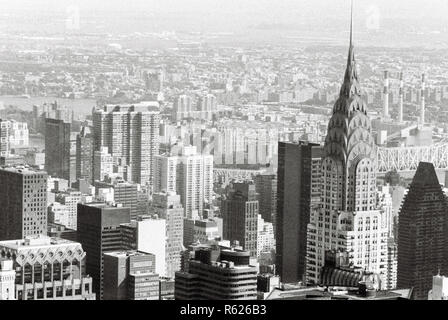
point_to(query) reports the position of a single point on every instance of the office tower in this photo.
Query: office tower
(385, 203)
(391, 273)
(57, 148)
(348, 219)
(99, 232)
(130, 275)
(298, 192)
(48, 269)
(103, 164)
(4, 138)
(167, 206)
(70, 200)
(84, 155)
(183, 107)
(217, 273)
(23, 202)
(422, 233)
(130, 132)
(148, 234)
(200, 231)
(125, 193)
(240, 216)
(265, 236)
(439, 289)
(266, 187)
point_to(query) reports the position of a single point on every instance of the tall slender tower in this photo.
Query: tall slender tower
(422, 107)
(386, 94)
(348, 220)
(401, 97)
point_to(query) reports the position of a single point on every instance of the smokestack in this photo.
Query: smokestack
(386, 94)
(400, 103)
(422, 107)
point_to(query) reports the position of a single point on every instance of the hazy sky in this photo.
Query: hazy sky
(230, 15)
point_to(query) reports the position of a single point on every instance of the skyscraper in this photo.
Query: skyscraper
(266, 187)
(130, 132)
(23, 202)
(422, 233)
(4, 137)
(298, 182)
(57, 148)
(99, 232)
(240, 216)
(84, 155)
(348, 219)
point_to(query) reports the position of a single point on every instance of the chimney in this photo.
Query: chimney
(386, 94)
(422, 107)
(400, 103)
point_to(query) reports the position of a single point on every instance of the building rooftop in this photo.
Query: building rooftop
(36, 242)
(23, 169)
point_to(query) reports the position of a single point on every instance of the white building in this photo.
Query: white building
(18, 134)
(439, 288)
(265, 236)
(7, 280)
(103, 164)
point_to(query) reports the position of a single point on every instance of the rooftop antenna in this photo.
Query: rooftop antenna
(351, 23)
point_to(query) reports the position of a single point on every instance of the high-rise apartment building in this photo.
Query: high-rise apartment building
(183, 107)
(70, 200)
(57, 148)
(297, 193)
(168, 206)
(130, 132)
(4, 138)
(125, 193)
(240, 216)
(130, 275)
(190, 175)
(348, 219)
(99, 232)
(422, 233)
(23, 202)
(48, 269)
(103, 164)
(217, 273)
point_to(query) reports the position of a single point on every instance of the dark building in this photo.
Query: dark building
(422, 233)
(217, 273)
(23, 202)
(99, 232)
(266, 187)
(57, 148)
(125, 193)
(130, 275)
(298, 191)
(84, 155)
(240, 216)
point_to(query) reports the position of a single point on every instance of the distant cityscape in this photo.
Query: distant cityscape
(185, 166)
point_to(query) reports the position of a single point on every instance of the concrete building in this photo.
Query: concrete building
(422, 233)
(4, 138)
(70, 200)
(18, 134)
(125, 193)
(99, 232)
(23, 202)
(217, 273)
(240, 216)
(130, 132)
(130, 275)
(265, 236)
(48, 269)
(298, 193)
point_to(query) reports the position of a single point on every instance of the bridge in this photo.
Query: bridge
(402, 159)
